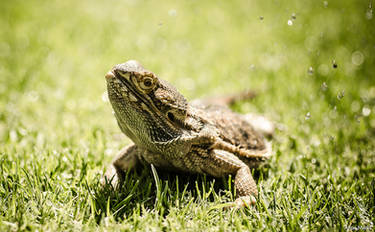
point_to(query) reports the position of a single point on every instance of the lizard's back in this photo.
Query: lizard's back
(233, 127)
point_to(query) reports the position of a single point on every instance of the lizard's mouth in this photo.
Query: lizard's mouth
(125, 87)
(109, 75)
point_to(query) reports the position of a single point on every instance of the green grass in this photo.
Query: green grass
(57, 133)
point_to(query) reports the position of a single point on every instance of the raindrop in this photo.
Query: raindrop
(334, 64)
(172, 12)
(294, 16)
(307, 116)
(357, 118)
(369, 12)
(290, 22)
(324, 86)
(341, 94)
(310, 71)
(325, 3)
(261, 17)
(252, 67)
(357, 58)
(366, 111)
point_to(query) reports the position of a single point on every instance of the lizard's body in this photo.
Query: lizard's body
(172, 134)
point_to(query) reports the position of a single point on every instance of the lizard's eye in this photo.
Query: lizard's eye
(147, 83)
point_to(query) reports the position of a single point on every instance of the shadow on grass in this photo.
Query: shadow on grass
(154, 189)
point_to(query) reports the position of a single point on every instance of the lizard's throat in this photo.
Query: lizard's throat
(143, 126)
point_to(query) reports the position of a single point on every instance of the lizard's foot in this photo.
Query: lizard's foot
(111, 177)
(124, 161)
(207, 135)
(245, 201)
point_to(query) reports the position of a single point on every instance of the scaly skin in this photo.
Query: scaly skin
(172, 134)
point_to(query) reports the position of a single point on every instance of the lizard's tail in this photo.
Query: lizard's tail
(229, 99)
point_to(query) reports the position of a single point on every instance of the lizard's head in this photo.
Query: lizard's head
(144, 104)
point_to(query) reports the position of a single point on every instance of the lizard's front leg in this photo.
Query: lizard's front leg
(125, 160)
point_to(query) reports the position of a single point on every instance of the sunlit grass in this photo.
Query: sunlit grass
(311, 61)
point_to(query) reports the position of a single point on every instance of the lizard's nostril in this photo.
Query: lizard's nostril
(109, 75)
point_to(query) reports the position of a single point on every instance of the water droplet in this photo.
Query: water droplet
(357, 118)
(261, 17)
(357, 58)
(293, 16)
(307, 116)
(340, 94)
(290, 22)
(334, 64)
(366, 111)
(325, 3)
(172, 12)
(369, 12)
(252, 67)
(310, 71)
(324, 86)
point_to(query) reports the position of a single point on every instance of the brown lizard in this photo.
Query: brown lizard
(172, 134)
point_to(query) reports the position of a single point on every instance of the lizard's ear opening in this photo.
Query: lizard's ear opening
(170, 116)
(176, 117)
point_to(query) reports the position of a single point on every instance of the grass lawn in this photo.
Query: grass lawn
(313, 63)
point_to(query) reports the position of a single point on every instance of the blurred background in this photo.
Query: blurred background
(304, 55)
(313, 63)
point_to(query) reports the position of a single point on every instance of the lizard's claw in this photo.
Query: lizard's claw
(245, 201)
(208, 134)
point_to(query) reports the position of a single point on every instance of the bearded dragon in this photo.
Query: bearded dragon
(173, 134)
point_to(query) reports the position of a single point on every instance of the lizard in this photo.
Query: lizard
(172, 134)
